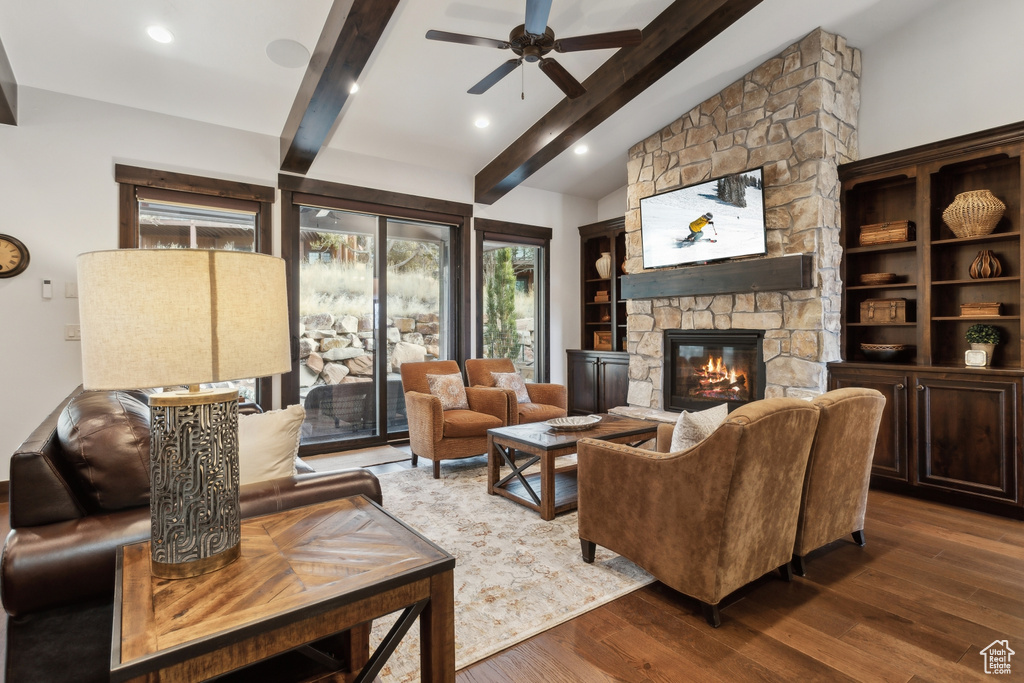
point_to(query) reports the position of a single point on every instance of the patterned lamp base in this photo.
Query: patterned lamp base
(194, 469)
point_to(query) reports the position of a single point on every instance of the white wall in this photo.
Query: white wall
(59, 197)
(613, 204)
(957, 69)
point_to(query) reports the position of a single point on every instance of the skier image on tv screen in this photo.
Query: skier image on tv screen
(697, 227)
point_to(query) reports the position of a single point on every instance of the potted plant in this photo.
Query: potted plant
(983, 338)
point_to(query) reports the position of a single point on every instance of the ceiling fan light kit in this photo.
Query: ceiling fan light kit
(532, 41)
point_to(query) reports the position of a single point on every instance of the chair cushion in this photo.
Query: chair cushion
(459, 423)
(104, 435)
(692, 428)
(538, 412)
(268, 444)
(513, 381)
(450, 389)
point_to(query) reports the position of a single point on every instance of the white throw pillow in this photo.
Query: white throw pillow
(268, 443)
(692, 428)
(513, 381)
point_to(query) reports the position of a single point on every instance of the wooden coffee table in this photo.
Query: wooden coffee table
(543, 444)
(305, 574)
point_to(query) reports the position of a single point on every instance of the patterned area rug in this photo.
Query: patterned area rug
(515, 574)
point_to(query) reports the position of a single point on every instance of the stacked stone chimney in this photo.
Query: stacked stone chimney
(796, 115)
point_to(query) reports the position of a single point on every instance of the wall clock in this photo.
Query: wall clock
(13, 256)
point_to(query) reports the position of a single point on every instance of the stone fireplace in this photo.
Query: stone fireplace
(796, 115)
(704, 368)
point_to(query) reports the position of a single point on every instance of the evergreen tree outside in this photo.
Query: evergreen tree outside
(501, 339)
(733, 190)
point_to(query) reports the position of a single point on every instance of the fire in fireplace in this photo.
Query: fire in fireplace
(706, 368)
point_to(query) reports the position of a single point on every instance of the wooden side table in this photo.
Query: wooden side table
(305, 574)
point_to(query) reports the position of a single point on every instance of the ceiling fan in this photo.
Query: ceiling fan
(533, 40)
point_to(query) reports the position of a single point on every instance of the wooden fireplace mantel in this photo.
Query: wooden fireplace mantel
(781, 273)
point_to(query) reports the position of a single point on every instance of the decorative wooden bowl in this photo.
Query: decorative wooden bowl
(877, 278)
(886, 352)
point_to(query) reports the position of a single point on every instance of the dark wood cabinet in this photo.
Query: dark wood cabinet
(597, 381)
(949, 432)
(891, 448)
(967, 434)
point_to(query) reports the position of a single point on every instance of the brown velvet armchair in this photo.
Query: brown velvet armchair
(547, 401)
(438, 434)
(835, 495)
(710, 519)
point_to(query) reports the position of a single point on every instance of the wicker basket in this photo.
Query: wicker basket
(973, 213)
(877, 278)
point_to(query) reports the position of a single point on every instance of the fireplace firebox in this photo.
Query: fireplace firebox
(704, 368)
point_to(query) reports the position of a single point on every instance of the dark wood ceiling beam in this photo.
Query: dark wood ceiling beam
(682, 29)
(8, 91)
(350, 34)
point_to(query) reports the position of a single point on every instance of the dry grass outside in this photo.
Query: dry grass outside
(347, 289)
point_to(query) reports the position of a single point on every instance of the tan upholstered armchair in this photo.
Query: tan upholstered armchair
(835, 495)
(438, 434)
(710, 519)
(547, 401)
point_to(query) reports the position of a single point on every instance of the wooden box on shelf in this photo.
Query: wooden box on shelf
(603, 341)
(886, 233)
(980, 310)
(883, 311)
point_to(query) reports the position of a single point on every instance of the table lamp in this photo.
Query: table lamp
(175, 317)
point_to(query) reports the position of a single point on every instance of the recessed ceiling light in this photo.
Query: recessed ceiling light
(581, 149)
(159, 34)
(354, 89)
(287, 53)
(482, 122)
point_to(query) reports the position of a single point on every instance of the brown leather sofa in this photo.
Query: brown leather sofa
(707, 520)
(62, 546)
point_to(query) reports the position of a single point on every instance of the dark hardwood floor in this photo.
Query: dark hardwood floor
(934, 585)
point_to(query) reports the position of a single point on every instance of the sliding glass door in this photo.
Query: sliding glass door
(352, 340)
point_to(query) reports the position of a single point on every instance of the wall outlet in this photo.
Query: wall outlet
(70, 290)
(73, 332)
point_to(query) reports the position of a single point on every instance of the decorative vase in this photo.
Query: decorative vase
(973, 213)
(604, 265)
(985, 265)
(989, 349)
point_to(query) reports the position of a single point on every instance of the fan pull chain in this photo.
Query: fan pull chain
(522, 84)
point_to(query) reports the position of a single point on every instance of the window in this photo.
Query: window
(162, 210)
(512, 304)
(374, 285)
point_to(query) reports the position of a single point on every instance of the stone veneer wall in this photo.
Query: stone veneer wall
(796, 115)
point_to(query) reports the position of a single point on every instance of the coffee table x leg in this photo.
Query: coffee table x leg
(507, 454)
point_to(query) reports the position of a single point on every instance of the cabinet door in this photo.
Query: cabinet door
(891, 446)
(613, 382)
(581, 372)
(967, 434)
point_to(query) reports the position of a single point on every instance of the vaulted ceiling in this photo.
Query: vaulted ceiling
(412, 105)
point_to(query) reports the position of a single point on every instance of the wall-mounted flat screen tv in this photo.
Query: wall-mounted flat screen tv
(710, 221)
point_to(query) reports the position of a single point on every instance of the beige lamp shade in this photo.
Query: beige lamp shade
(162, 317)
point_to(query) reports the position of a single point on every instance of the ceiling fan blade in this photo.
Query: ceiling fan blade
(495, 76)
(537, 12)
(466, 40)
(599, 41)
(562, 78)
